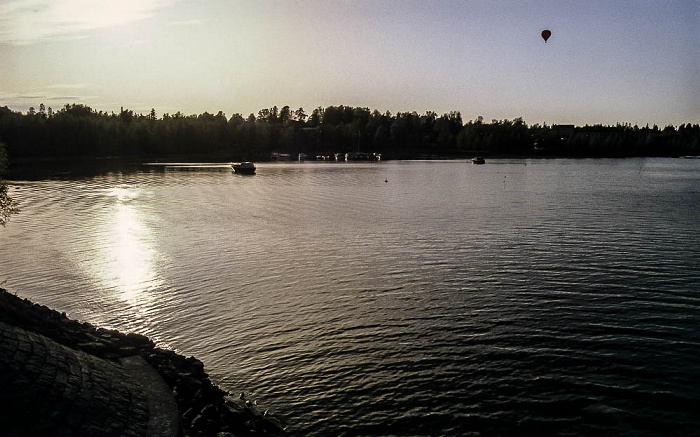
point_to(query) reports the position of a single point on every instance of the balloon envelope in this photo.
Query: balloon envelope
(546, 34)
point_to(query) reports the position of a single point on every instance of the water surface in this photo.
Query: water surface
(395, 298)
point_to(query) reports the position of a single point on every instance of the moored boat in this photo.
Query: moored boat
(361, 156)
(246, 167)
(478, 160)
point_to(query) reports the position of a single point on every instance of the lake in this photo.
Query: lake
(399, 298)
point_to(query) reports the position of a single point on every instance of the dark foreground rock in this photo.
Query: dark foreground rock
(205, 409)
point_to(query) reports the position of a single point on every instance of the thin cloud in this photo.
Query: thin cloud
(64, 86)
(56, 96)
(71, 98)
(30, 96)
(9, 98)
(28, 21)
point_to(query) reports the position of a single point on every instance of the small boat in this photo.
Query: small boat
(246, 167)
(478, 160)
(361, 156)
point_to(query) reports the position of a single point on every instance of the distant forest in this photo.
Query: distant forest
(79, 131)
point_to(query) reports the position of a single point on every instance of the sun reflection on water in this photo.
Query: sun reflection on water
(127, 256)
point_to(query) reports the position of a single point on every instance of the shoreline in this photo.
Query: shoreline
(106, 160)
(203, 407)
(37, 168)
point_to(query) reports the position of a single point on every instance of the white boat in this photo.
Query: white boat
(361, 156)
(478, 160)
(246, 167)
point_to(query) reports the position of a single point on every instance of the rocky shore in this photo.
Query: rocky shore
(205, 409)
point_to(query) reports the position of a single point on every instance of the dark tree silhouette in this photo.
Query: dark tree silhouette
(77, 130)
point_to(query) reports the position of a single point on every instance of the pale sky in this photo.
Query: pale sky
(607, 61)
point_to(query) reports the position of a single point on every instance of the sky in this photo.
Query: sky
(607, 62)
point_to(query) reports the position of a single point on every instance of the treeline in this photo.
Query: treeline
(78, 130)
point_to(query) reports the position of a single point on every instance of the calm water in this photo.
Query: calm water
(518, 297)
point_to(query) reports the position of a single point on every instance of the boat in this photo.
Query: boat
(246, 167)
(361, 156)
(478, 160)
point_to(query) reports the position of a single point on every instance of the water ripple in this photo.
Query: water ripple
(445, 301)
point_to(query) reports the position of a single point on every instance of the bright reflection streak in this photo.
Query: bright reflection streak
(128, 258)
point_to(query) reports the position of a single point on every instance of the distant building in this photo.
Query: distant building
(275, 156)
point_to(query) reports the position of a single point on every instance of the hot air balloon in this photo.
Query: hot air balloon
(546, 34)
